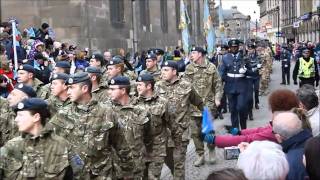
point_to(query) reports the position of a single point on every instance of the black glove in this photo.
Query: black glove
(295, 83)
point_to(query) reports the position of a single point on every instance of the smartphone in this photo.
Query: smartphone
(231, 153)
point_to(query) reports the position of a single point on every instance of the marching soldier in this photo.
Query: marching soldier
(265, 70)
(285, 58)
(306, 69)
(59, 97)
(38, 154)
(206, 82)
(253, 79)
(99, 90)
(157, 108)
(133, 120)
(98, 61)
(180, 95)
(8, 129)
(152, 66)
(26, 75)
(92, 129)
(233, 72)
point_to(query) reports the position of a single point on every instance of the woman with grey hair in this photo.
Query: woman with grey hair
(263, 160)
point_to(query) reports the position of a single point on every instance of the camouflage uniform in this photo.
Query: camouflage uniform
(100, 93)
(135, 122)
(44, 91)
(8, 128)
(37, 86)
(47, 156)
(93, 131)
(55, 104)
(156, 150)
(156, 74)
(207, 83)
(180, 94)
(265, 71)
(130, 74)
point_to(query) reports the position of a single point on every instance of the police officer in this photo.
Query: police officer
(253, 79)
(92, 129)
(306, 69)
(39, 153)
(285, 58)
(233, 70)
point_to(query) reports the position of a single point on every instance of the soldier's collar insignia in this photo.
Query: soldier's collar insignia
(20, 85)
(112, 81)
(20, 105)
(70, 80)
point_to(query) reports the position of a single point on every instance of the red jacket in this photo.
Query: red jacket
(247, 135)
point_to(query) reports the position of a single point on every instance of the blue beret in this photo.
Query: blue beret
(31, 104)
(26, 89)
(63, 64)
(120, 80)
(39, 56)
(92, 69)
(233, 42)
(145, 77)
(61, 76)
(27, 67)
(199, 49)
(115, 60)
(98, 57)
(172, 64)
(78, 78)
(151, 56)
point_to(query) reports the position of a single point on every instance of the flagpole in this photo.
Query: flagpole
(14, 41)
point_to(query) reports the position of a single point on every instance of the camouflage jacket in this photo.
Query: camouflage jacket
(44, 91)
(93, 131)
(157, 108)
(55, 104)
(45, 157)
(37, 86)
(156, 74)
(8, 128)
(135, 122)
(206, 81)
(100, 94)
(180, 95)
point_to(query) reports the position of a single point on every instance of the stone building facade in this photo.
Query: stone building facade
(110, 24)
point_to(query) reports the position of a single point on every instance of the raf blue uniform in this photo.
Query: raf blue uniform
(235, 86)
(253, 78)
(285, 57)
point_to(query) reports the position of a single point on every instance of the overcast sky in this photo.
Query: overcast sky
(247, 7)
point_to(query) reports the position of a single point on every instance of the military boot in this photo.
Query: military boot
(199, 162)
(212, 156)
(250, 116)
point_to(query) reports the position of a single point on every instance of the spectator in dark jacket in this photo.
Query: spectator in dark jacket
(312, 157)
(289, 132)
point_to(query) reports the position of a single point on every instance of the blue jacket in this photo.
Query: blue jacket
(294, 149)
(231, 64)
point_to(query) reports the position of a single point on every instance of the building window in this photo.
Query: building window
(144, 13)
(164, 15)
(117, 11)
(177, 6)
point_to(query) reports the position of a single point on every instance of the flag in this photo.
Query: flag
(221, 23)
(183, 26)
(31, 32)
(209, 31)
(15, 33)
(207, 121)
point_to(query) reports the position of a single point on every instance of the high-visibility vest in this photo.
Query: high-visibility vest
(306, 69)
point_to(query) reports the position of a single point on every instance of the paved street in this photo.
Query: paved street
(261, 117)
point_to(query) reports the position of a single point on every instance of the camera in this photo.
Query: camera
(231, 152)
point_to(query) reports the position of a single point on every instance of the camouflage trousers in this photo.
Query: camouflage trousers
(265, 79)
(196, 127)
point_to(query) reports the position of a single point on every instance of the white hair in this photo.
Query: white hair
(263, 160)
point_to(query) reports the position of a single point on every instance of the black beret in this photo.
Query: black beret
(26, 89)
(156, 51)
(98, 57)
(44, 25)
(27, 67)
(251, 46)
(63, 64)
(199, 49)
(39, 56)
(145, 77)
(120, 80)
(115, 60)
(151, 56)
(31, 104)
(233, 42)
(61, 76)
(224, 46)
(92, 69)
(78, 78)
(172, 64)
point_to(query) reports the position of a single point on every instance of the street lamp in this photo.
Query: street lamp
(254, 12)
(278, 37)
